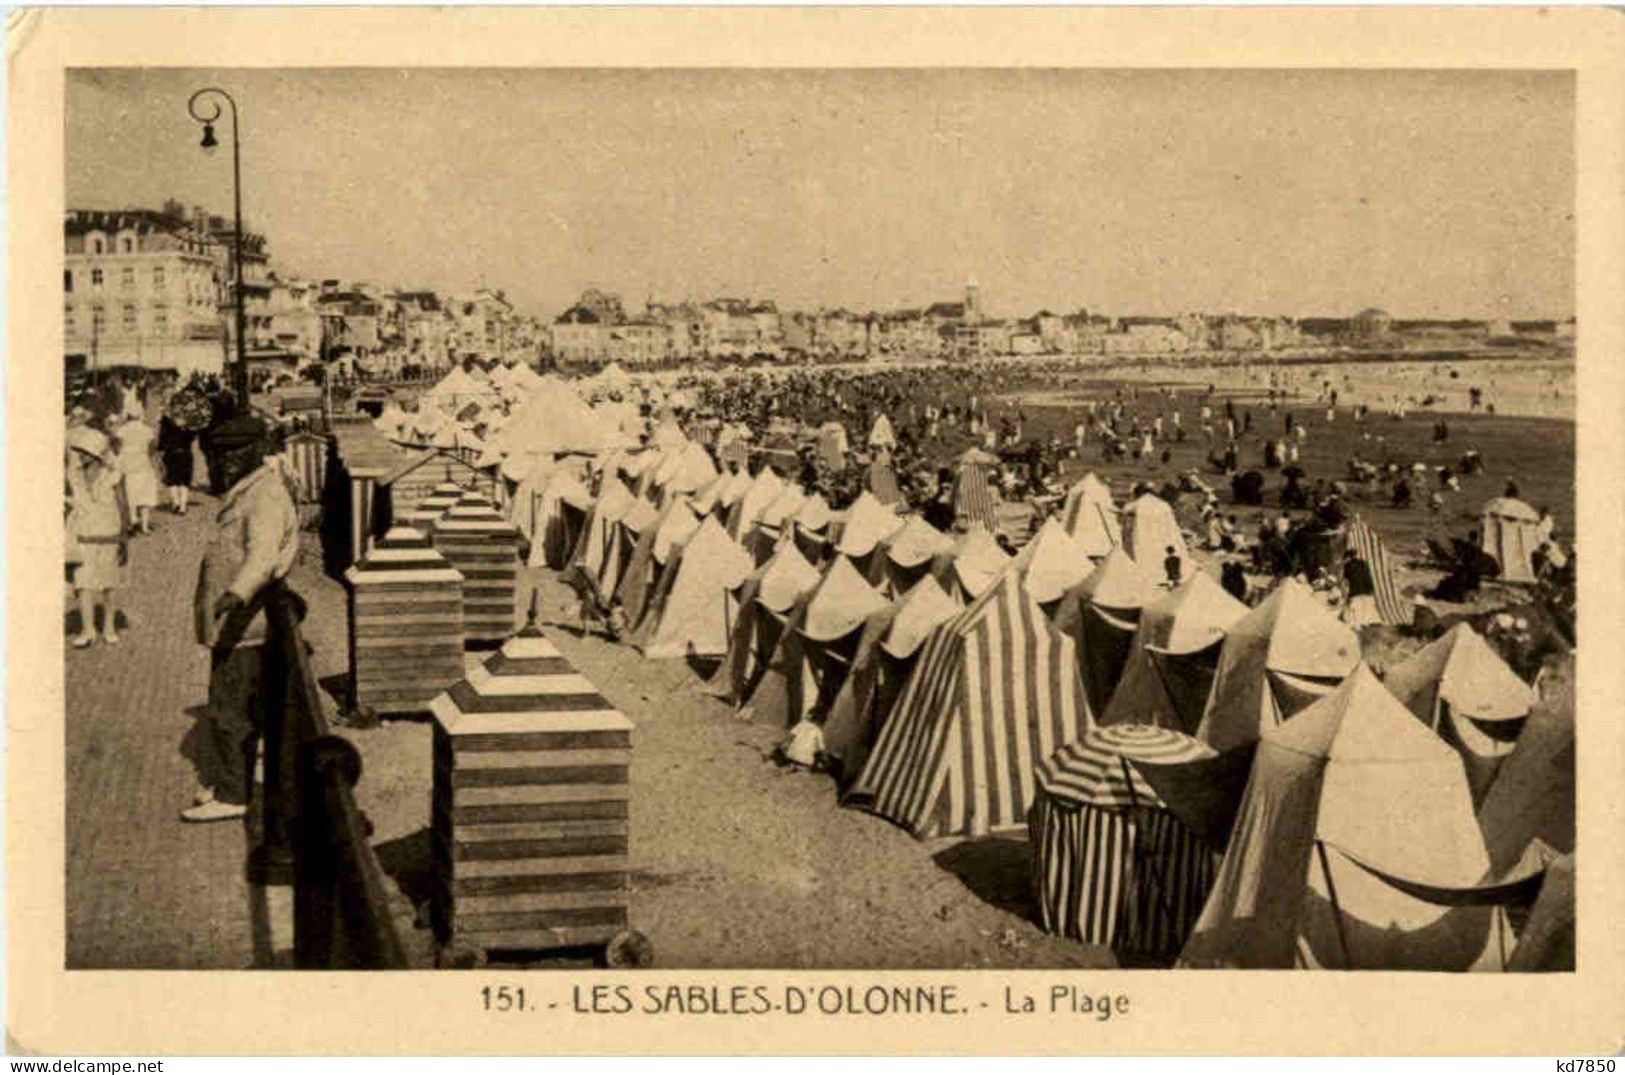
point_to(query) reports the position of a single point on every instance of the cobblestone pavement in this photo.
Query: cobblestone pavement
(144, 889)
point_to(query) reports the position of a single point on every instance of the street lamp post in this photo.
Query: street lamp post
(212, 98)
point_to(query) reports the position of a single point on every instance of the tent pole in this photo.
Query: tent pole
(1337, 910)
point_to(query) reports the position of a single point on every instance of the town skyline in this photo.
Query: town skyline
(1148, 192)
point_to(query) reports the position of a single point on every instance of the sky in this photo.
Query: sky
(1298, 193)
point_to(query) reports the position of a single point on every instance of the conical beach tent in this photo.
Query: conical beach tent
(1172, 660)
(768, 533)
(671, 528)
(1149, 529)
(1274, 661)
(973, 566)
(765, 602)
(994, 691)
(868, 524)
(881, 434)
(1090, 515)
(1533, 795)
(1052, 563)
(560, 520)
(815, 651)
(1353, 779)
(1101, 615)
(691, 612)
(812, 527)
(762, 491)
(880, 669)
(1462, 689)
(1114, 866)
(598, 535)
(906, 556)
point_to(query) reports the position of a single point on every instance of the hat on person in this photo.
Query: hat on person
(92, 442)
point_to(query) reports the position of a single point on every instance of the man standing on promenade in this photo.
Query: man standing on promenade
(255, 543)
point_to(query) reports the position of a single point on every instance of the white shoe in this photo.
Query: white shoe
(213, 810)
(84, 641)
(204, 795)
(110, 637)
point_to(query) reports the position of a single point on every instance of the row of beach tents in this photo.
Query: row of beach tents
(1201, 781)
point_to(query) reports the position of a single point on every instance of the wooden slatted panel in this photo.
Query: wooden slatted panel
(406, 624)
(484, 546)
(530, 808)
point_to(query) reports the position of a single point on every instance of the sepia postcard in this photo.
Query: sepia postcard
(814, 530)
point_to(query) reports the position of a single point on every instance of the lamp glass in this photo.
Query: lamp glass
(209, 142)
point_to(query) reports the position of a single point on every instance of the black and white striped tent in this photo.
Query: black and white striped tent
(995, 691)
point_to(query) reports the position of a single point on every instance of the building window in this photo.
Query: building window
(127, 277)
(68, 327)
(95, 278)
(129, 245)
(98, 318)
(67, 280)
(158, 282)
(160, 319)
(97, 247)
(129, 319)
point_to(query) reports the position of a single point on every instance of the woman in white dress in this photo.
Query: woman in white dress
(96, 524)
(138, 466)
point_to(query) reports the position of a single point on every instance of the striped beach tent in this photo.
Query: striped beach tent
(307, 459)
(1461, 688)
(1171, 662)
(975, 499)
(1090, 515)
(650, 555)
(994, 691)
(765, 601)
(1274, 661)
(692, 609)
(1114, 866)
(1101, 615)
(1392, 607)
(907, 555)
(880, 668)
(973, 565)
(816, 648)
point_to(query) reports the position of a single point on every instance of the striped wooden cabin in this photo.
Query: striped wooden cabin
(529, 823)
(442, 499)
(406, 624)
(350, 518)
(306, 455)
(484, 546)
(416, 478)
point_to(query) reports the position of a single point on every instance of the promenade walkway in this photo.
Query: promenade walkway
(144, 889)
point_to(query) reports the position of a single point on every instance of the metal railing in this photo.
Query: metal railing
(312, 823)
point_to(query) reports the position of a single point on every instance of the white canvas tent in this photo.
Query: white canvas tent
(598, 535)
(559, 520)
(766, 599)
(651, 554)
(1101, 615)
(1462, 689)
(691, 612)
(1090, 515)
(1172, 660)
(880, 668)
(973, 566)
(815, 651)
(881, 434)
(1052, 563)
(1149, 530)
(762, 491)
(868, 523)
(1352, 784)
(769, 532)
(906, 556)
(1274, 661)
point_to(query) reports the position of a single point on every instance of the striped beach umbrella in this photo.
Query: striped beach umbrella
(1114, 867)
